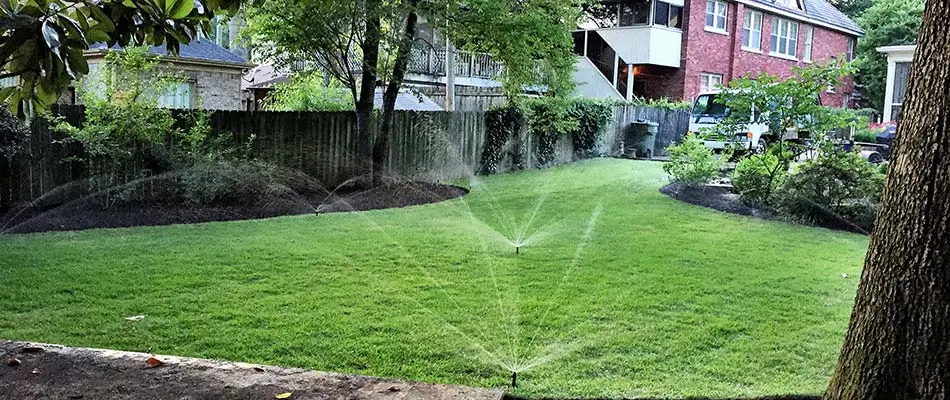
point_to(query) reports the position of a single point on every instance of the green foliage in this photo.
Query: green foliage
(123, 123)
(532, 39)
(886, 23)
(853, 8)
(42, 42)
(592, 117)
(834, 189)
(549, 118)
(309, 92)
(238, 182)
(500, 124)
(758, 176)
(662, 102)
(13, 134)
(786, 104)
(692, 163)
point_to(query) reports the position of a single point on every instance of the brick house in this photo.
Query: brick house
(677, 48)
(212, 75)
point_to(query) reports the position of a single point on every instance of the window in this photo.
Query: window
(177, 97)
(8, 82)
(851, 42)
(809, 38)
(709, 81)
(752, 30)
(716, 13)
(784, 37)
(901, 72)
(665, 14)
(634, 12)
(614, 13)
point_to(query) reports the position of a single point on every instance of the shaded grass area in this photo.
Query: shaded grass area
(658, 299)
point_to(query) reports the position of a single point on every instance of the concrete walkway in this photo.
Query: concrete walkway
(43, 371)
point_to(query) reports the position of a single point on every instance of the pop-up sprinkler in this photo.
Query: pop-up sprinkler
(514, 378)
(517, 249)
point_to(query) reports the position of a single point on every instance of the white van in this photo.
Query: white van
(707, 113)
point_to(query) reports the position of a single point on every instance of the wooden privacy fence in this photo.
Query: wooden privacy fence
(424, 145)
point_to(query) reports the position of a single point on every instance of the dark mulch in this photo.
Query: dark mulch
(91, 213)
(780, 397)
(717, 198)
(720, 198)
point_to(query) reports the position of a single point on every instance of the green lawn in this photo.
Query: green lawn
(659, 298)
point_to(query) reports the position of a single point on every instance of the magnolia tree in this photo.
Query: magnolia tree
(42, 41)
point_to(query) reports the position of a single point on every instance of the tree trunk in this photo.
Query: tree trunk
(898, 343)
(381, 148)
(364, 105)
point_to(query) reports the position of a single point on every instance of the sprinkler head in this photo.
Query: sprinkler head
(514, 378)
(517, 249)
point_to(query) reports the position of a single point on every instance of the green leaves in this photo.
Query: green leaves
(42, 41)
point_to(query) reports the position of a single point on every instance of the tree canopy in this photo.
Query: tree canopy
(42, 41)
(886, 23)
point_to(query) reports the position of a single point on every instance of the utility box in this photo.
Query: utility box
(640, 140)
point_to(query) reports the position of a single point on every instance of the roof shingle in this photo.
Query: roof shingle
(199, 49)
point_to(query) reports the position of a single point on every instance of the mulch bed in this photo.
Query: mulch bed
(90, 213)
(722, 199)
(717, 198)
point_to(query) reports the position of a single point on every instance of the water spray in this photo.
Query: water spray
(514, 378)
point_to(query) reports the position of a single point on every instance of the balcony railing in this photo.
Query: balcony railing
(425, 60)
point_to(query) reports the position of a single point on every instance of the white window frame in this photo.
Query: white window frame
(709, 81)
(852, 43)
(720, 15)
(784, 31)
(752, 24)
(809, 40)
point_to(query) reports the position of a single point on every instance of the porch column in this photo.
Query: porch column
(629, 93)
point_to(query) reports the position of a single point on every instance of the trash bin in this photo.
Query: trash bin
(640, 139)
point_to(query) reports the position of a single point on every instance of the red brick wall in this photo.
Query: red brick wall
(712, 52)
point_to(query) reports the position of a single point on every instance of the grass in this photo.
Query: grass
(661, 298)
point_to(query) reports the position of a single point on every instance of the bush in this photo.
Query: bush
(548, 119)
(757, 177)
(13, 134)
(239, 182)
(500, 124)
(835, 189)
(692, 163)
(591, 116)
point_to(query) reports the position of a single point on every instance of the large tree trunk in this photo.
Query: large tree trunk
(364, 105)
(381, 148)
(898, 344)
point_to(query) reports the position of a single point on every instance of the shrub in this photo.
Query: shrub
(833, 189)
(13, 134)
(239, 182)
(500, 123)
(591, 116)
(548, 119)
(757, 177)
(692, 163)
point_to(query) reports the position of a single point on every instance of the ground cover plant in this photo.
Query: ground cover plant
(647, 297)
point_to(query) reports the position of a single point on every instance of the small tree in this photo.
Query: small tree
(309, 92)
(692, 163)
(124, 128)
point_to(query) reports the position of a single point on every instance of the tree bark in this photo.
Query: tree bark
(364, 105)
(381, 147)
(898, 342)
